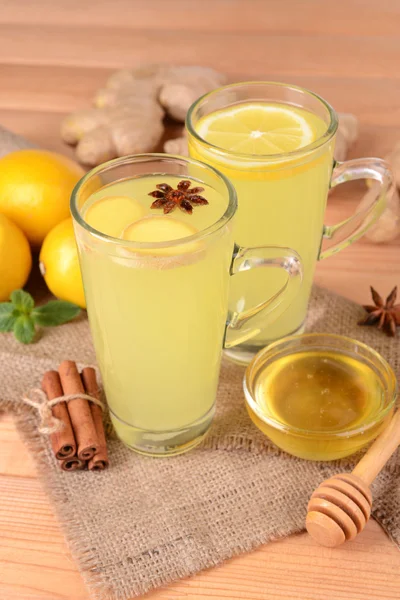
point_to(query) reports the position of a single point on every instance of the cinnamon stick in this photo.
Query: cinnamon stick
(100, 460)
(79, 411)
(98, 463)
(63, 442)
(73, 464)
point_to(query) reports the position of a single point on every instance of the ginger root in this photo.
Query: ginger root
(183, 85)
(178, 145)
(104, 133)
(129, 111)
(175, 87)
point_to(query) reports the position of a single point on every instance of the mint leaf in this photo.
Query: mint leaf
(21, 316)
(22, 301)
(55, 312)
(7, 316)
(24, 329)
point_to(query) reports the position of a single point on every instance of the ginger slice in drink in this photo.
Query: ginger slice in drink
(153, 229)
(111, 215)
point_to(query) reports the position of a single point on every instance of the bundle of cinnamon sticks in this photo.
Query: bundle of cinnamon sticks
(81, 441)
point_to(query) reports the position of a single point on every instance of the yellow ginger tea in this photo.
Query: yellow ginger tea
(157, 315)
(281, 196)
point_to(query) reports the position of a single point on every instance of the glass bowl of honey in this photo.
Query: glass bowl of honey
(320, 396)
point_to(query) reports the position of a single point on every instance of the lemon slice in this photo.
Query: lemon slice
(111, 215)
(161, 229)
(257, 129)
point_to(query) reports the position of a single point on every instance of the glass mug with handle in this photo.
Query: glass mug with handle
(275, 143)
(156, 287)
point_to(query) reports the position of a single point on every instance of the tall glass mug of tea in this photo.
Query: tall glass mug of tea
(156, 246)
(275, 143)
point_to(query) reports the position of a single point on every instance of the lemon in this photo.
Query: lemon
(160, 229)
(258, 128)
(110, 214)
(59, 264)
(35, 188)
(15, 258)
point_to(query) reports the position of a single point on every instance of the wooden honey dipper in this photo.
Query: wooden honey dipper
(341, 506)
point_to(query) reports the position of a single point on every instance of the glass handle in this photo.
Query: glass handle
(238, 329)
(348, 231)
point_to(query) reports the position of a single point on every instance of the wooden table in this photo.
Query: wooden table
(53, 56)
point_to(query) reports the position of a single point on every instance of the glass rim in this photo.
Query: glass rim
(143, 158)
(323, 139)
(260, 359)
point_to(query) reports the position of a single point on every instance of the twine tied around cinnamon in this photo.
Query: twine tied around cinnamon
(48, 422)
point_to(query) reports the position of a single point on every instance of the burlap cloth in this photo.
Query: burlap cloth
(145, 522)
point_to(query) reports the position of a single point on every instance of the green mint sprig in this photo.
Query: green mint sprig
(21, 316)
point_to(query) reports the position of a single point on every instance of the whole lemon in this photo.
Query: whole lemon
(15, 258)
(59, 264)
(35, 188)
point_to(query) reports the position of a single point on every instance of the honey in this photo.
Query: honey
(319, 391)
(319, 403)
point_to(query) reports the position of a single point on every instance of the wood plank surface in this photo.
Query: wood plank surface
(281, 55)
(358, 17)
(53, 56)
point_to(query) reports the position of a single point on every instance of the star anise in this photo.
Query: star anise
(168, 199)
(385, 315)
